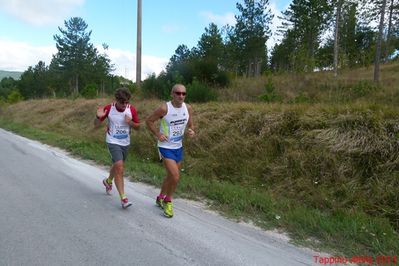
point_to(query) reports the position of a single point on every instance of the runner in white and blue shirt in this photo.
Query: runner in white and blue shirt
(175, 116)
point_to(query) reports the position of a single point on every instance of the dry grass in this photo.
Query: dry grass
(320, 87)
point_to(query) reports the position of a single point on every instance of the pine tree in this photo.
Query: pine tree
(393, 26)
(305, 21)
(379, 42)
(77, 60)
(251, 34)
(336, 35)
(34, 82)
(210, 46)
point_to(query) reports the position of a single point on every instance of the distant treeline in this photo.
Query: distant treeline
(315, 35)
(10, 74)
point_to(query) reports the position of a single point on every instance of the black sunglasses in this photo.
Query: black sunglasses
(179, 93)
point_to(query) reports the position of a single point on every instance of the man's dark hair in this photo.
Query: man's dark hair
(122, 95)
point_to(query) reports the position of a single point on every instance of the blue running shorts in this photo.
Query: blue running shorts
(173, 154)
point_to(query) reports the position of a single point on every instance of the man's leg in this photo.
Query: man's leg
(117, 171)
(120, 184)
(172, 177)
(107, 182)
(111, 174)
(171, 180)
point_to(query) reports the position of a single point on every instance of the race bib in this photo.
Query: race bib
(176, 132)
(121, 132)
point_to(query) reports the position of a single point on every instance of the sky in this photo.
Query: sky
(27, 29)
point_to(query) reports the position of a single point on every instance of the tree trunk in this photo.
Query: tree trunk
(379, 41)
(76, 84)
(336, 38)
(389, 33)
(258, 67)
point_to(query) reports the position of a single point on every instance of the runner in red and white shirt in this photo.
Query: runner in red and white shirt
(122, 117)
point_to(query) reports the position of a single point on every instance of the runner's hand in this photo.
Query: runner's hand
(100, 111)
(128, 119)
(191, 133)
(161, 137)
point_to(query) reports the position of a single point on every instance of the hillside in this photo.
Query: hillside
(324, 168)
(13, 74)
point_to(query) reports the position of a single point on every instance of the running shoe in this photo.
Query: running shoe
(125, 203)
(160, 202)
(168, 209)
(108, 187)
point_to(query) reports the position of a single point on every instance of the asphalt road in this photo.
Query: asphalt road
(54, 211)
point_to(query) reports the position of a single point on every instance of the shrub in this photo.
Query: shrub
(155, 86)
(89, 91)
(200, 92)
(14, 97)
(222, 79)
(270, 94)
(302, 98)
(363, 88)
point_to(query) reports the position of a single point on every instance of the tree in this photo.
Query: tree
(182, 53)
(336, 35)
(179, 68)
(102, 67)
(251, 33)
(379, 41)
(7, 84)
(393, 16)
(283, 55)
(77, 60)
(34, 82)
(210, 46)
(305, 21)
(350, 36)
(231, 58)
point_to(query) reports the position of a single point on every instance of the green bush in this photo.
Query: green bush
(155, 86)
(270, 94)
(89, 91)
(363, 88)
(2, 102)
(14, 97)
(302, 98)
(222, 79)
(200, 92)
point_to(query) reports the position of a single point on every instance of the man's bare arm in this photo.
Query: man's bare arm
(152, 118)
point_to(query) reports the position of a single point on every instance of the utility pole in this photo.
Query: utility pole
(138, 48)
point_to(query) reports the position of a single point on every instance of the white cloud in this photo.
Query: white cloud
(152, 64)
(220, 20)
(18, 56)
(170, 28)
(40, 12)
(125, 63)
(276, 22)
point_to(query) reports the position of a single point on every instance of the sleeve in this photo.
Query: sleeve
(107, 108)
(135, 117)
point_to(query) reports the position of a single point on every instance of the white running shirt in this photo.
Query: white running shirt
(118, 129)
(173, 125)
